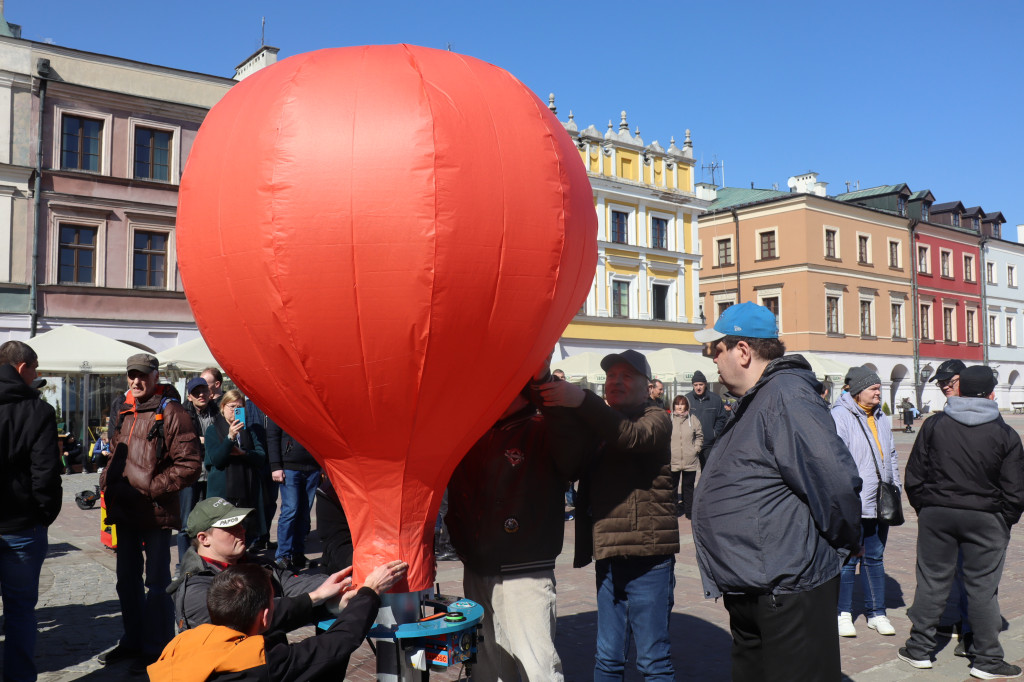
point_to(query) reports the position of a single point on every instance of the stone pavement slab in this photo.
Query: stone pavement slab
(79, 615)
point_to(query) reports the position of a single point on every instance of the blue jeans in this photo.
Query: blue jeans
(146, 608)
(21, 559)
(635, 596)
(297, 495)
(188, 497)
(872, 572)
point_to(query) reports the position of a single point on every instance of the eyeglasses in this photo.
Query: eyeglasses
(942, 383)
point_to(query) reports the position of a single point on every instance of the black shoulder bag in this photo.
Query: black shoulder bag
(888, 505)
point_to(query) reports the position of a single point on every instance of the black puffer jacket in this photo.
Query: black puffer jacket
(30, 490)
(711, 412)
(284, 452)
(967, 457)
(777, 508)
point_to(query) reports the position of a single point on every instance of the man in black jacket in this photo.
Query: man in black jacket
(298, 473)
(709, 410)
(29, 502)
(203, 412)
(777, 509)
(965, 479)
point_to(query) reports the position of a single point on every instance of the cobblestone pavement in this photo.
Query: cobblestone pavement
(79, 617)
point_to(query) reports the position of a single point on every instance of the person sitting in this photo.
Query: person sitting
(71, 454)
(218, 541)
(238, 643)
(101, 452)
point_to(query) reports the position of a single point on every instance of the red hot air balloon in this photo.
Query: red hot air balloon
(380, 245)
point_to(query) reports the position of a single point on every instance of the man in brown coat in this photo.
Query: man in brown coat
(155, 454)
(626, 516)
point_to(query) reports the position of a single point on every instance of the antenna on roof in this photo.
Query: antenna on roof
(263, 31)
(713, 167)
(855, 183)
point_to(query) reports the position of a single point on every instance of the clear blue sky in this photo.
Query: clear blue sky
(923, 92)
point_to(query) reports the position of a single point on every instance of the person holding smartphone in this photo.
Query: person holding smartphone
(234, 459)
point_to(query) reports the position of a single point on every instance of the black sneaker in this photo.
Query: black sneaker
(139, 665)
(285, 564)
(904, 656)
(999, 671)
(963, 645)
(118, 653)
(299, 561)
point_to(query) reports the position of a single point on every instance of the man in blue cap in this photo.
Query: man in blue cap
(777, 510)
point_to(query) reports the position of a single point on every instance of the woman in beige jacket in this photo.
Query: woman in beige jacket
(687, 440)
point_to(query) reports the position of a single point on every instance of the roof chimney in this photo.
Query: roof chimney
(263, 57)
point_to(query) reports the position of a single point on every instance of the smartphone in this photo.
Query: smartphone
(240, 414)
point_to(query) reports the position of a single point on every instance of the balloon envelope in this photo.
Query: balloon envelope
(364, 231)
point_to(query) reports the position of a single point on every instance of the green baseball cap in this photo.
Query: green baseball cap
(214, 512)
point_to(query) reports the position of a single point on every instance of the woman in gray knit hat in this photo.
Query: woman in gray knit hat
(867, 432)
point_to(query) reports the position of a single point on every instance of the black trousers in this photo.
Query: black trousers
(786, 637)
(982, 536)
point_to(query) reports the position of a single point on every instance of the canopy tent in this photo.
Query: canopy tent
(71, 350)
(585, 366)
(191, 356)
(677, 365)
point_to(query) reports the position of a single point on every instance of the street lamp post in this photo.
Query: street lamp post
(84, 440)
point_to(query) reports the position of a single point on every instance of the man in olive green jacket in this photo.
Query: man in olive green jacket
(631, 528)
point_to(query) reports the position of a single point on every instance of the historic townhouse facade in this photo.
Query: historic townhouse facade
(837, 275)
(645, 292)
(1002, 265)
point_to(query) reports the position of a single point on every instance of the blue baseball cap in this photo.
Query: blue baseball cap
(195, 383)
(746, 319)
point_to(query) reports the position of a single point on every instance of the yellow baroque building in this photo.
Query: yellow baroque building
(646, 290)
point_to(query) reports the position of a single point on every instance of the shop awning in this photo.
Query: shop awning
(73, 350)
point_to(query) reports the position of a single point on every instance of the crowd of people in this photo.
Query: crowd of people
(787, 497)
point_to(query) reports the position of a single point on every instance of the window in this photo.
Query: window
(724, 247)
(620, 299)
(897, 320)
(894, 254)
(149, 263)
(620, 222)
(659, 233)
(830, 244)
(76, 255)
(832, 314)
(863, 249)
(768, 244)
(956, 220)
(993, 338)
(968, 268)
(772, 304)
(946, 263)
(80, 143)
(926, 321)
(1011, 327)
(1011, 276)
(922, 260)
(866, 328)
(971, 321)
(152, 154)
(723, 306)
(947, 325)
(990, 273)
(659, 301)
(926, 209)
(901, 205)
(976, 224)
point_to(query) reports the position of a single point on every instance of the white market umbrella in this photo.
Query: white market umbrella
(677, 365)
(825, 368)
(71, 350)
(191, 356)
(585, 366)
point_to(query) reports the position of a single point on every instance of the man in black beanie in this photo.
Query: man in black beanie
(709, 409)
(965, 479)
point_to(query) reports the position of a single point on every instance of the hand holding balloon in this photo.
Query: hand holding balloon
(332, 590)
(384, 577)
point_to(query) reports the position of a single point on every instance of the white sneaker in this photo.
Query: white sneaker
(846, 628)
(881, 625)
